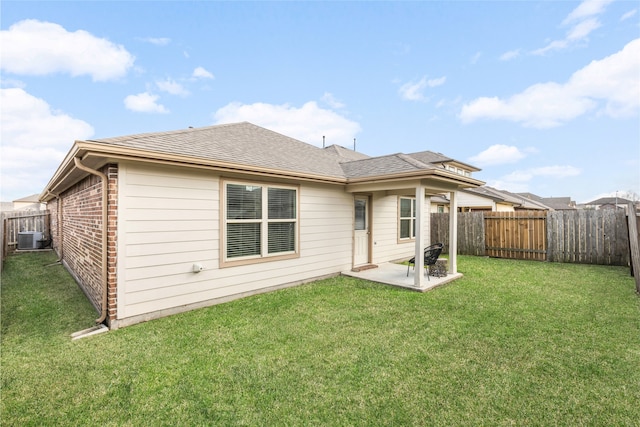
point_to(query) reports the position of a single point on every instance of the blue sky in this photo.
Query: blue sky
(543, 96)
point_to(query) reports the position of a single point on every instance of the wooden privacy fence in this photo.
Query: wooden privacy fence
(519, 235)
(470, 232)
(580, 236)
(588, 237)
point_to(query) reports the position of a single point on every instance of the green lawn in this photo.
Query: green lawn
(511, 343)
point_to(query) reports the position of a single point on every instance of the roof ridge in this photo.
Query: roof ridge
(435, 153)
(412, 161)
(373, 158)
(134, 136)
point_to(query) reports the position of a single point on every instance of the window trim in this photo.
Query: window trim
(412, 231)
(264, 225)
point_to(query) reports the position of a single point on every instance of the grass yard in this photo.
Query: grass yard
(511, 343)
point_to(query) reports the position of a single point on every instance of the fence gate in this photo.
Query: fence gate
(517, 235)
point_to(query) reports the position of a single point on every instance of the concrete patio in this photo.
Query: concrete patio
(396, 275)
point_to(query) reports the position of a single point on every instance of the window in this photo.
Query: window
(457, 170)
(259, 220)
(407, 220)
(360, 214)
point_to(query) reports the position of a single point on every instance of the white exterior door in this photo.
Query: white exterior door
(361, 231)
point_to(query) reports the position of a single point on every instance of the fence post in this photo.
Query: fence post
(634, 255)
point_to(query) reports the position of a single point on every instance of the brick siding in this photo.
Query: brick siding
(112, 241)
(82, 234)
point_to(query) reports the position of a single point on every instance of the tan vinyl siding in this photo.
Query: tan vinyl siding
(169, 221)
(385, 218)
(387, 247)
(466, 200)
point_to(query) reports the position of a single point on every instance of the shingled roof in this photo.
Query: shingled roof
(250, 145)
(238, 143)
(383, 165)
(344, 154)
(245, 147)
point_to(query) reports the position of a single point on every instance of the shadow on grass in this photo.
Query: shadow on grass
(40, 299)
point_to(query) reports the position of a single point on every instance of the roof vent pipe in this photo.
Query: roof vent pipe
(322, 141)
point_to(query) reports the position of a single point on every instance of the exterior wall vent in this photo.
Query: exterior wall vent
(29, 239)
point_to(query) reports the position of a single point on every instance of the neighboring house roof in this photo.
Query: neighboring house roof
(245, 147)
(29, 199)
(559, 203)
(439, 199)
(491, 193)
(527, 203)
(555, 203)
(608, 201)
(502, 196)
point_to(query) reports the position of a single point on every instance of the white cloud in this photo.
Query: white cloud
(519, 181)
(475, 58)
(158, 41)
(35, 139)
(582, 21)
(629, 14)
(436, 82)
(309, 123)
(331, 101)
(12, 83)
(201, 73)
(512, 54)
(556, 171)
(586, 9)
(32, 47)
(612, 81)
(497, 154)
(144, 103)
(172, 87)
(583, 29)
(545, 171)
(554, 45)
(414, 91)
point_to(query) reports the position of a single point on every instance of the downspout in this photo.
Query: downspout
(59, 213)
(105, 198)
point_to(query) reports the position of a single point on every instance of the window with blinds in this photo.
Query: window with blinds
(407, 218)
(261, 220)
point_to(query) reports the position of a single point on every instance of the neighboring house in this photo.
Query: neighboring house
(439, 204)
(553, 203)
(490, 199)
(29, 203)
(200, 216)
(608, 203)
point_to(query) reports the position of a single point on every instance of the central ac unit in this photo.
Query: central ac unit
(29, 239)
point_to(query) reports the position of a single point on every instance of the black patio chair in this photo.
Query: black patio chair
(431, 254)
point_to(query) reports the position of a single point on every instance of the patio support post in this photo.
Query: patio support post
(427, 215)
(418, 277)
(453, 232)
